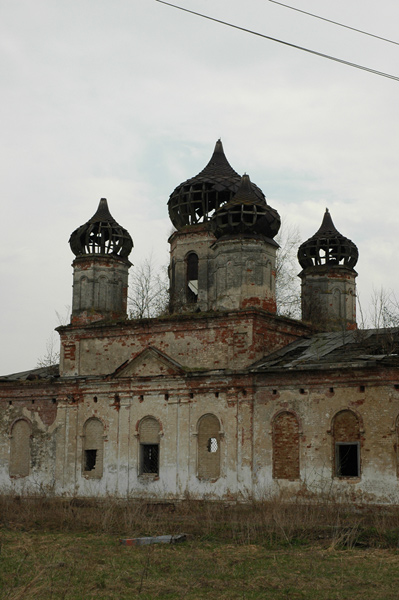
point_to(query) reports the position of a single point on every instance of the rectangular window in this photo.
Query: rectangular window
(149, 459)
(347, 459)
(90, 460)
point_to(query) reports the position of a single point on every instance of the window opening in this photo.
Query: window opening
(150, 458)
(93, 449)
(192, 278)
(347, 459)
(149, 446)
(209, 447)
(347, 438)
(90, 459)
(212, 445)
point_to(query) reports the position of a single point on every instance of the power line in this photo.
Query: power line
(335, 22)
(267, 37)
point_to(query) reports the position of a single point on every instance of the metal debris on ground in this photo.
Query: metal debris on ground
(159, 539)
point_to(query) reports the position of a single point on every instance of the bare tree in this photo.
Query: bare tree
(149, 289)
(52, 354)
(383, 310)
(288, 295)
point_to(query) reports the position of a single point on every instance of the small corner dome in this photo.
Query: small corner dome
(246, 213)
(195, 200)
(328, 247)
(101, 235)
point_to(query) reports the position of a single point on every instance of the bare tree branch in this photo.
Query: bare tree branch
(52, 355)
(149, 287)
(288, 295)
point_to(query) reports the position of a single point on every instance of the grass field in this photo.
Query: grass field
(70, 550)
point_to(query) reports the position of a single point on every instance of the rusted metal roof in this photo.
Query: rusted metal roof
(347, 349)
(34, 374)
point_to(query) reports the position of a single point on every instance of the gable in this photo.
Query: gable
(150, 363)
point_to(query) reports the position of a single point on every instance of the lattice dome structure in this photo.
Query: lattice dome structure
(328, 247)
(195, 200)
(101, 235)
(246, 213)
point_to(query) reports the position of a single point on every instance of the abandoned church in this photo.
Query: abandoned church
(221, 397)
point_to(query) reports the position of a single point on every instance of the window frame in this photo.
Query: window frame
(337, 461)
(144, 448)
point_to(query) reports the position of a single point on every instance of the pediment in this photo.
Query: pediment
(150, 363)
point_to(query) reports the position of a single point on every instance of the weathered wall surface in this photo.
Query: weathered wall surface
(215, 341)
(216, 434)
(314, 400)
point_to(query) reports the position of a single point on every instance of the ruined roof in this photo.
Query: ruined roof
(361, 348)
(34, 374)
(246, 213)
(195, 200)
(101, 235)
(328, 247)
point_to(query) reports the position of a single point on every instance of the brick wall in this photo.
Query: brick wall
(286, 447)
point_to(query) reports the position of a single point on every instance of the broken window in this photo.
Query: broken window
(90, 459)
(149, 446)
(93, 449)
(346, 432)
(286, 446)
(208, 447)
(20, 448)
(192, 278)
(347, 462)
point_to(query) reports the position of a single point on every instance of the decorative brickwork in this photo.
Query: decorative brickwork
(285, 446)
(149, 431)
(346, 427)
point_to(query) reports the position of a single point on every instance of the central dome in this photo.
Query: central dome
(195, 200)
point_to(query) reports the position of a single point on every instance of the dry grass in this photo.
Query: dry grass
(54, 548)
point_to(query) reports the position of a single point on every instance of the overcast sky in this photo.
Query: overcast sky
(126, 99)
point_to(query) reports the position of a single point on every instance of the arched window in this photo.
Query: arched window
(93, 449)
(346, 435)
(286, 446)
(149, 433)
(192, 278)
(208, 447)
(20, 448)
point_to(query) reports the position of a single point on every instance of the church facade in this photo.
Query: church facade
(221, 397)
